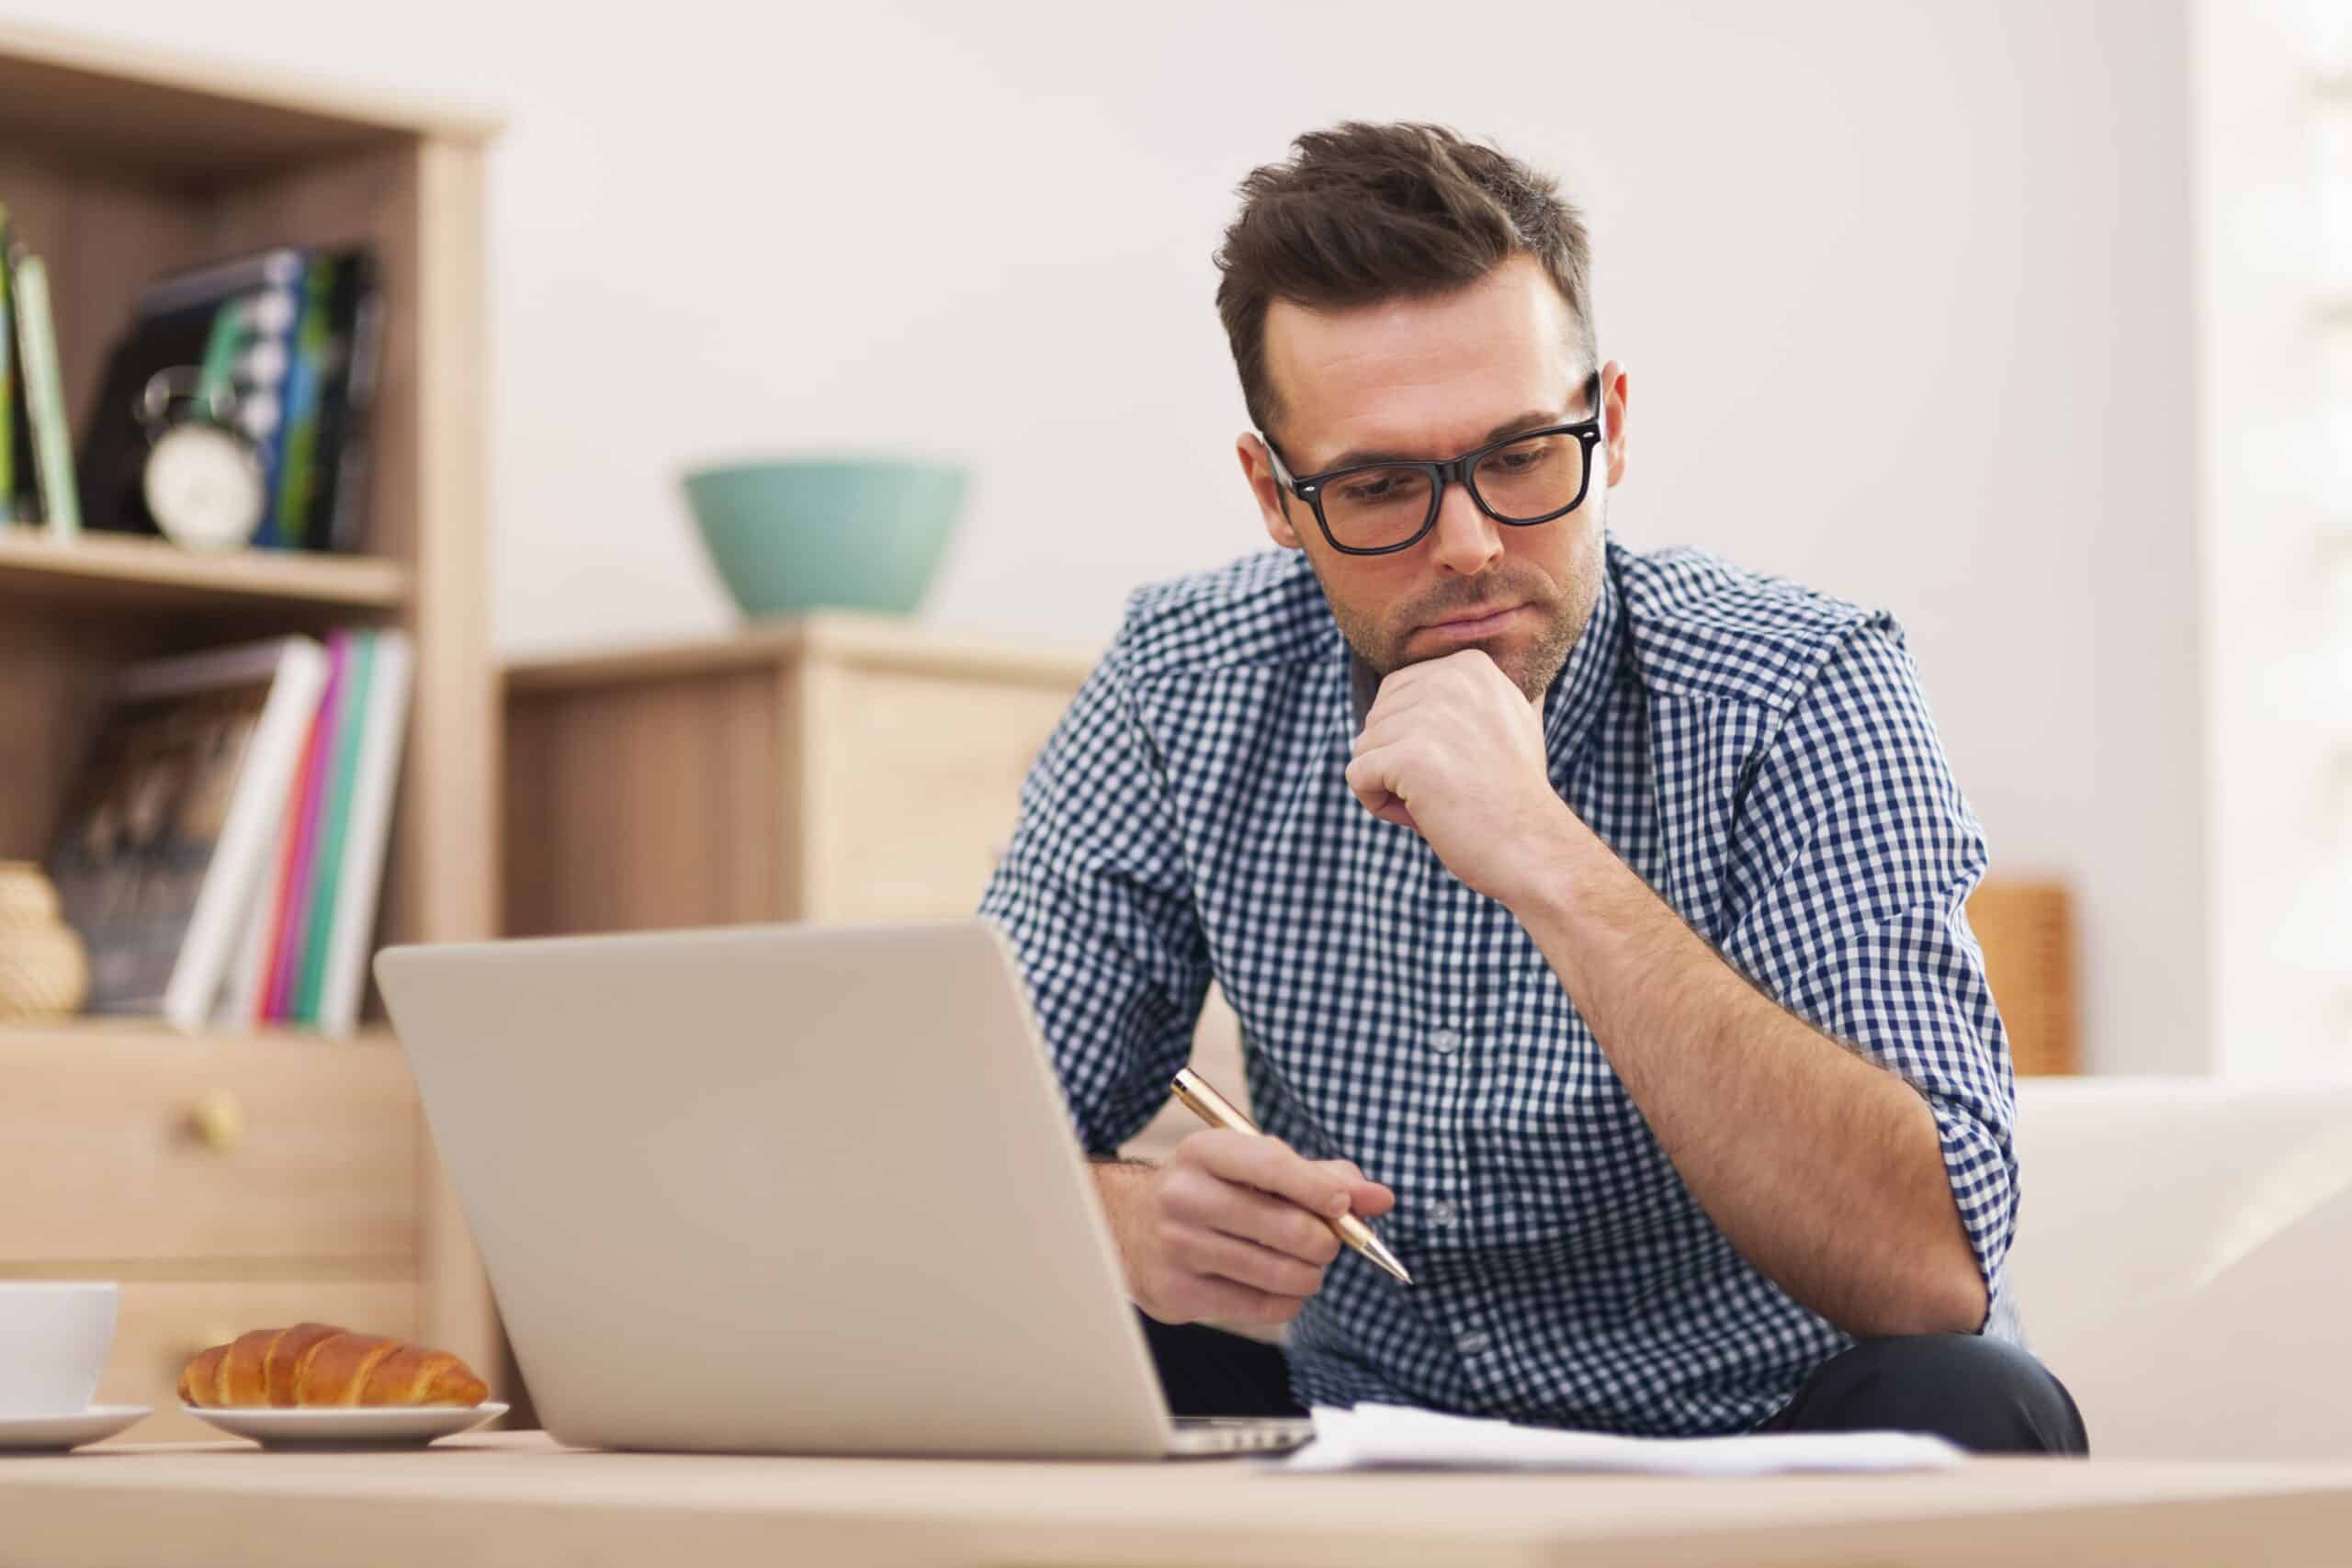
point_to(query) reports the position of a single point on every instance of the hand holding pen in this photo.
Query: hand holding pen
(1213, 1108)
(1234, 1228)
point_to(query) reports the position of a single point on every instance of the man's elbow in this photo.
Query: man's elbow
(1947, 1298)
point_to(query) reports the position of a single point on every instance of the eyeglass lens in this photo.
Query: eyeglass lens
(1371, 508)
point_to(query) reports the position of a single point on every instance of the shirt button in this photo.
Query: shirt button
(1444, 1042)
(1472, 1342)
(1442, 1212)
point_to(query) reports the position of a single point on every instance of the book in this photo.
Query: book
(170, 824)
(265, 368)
(351, 926)
(207, 283)
(339, 507)
(310, 966)
(295, 889)
(7, 384)
(290, 339)
(347, 857)
(248, 983)
(61, 505)
(213, 318)
(291, 503)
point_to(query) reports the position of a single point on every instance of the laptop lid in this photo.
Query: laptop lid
(785, 1188)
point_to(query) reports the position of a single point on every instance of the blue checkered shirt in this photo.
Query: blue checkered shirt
(1761, 754)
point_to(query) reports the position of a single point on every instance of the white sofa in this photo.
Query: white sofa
(2184, 1261)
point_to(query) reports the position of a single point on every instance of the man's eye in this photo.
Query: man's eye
(1372, 489)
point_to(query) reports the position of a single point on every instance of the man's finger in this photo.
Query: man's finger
(1275, 1223)
(1370, 777)
(1271, 1166)
(1247, 1263)
(1387, 728)
(1390, 706)
(1371, 1197)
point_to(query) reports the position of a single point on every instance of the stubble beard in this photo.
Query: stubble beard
(1531, 669)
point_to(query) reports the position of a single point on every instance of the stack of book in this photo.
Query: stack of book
(221, 854)
(282, 345)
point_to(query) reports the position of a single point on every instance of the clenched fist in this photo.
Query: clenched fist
(1453, 749)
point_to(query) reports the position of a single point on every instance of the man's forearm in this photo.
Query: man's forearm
(1824, 1169)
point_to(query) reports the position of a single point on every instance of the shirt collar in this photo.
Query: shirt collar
(1575, 695)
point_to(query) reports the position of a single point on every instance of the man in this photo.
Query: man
(1606, 907)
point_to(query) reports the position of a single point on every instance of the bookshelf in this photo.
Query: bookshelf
(101, 569)
(234, 1181)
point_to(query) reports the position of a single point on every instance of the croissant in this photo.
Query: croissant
(317, 1363)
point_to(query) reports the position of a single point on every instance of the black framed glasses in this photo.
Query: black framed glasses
(1377, 509)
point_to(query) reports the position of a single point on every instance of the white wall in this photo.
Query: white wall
(1904, 290)
(2277, 587)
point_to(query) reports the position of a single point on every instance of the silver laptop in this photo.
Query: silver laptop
(786, 1190)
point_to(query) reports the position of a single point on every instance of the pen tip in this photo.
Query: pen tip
(1378, 1252)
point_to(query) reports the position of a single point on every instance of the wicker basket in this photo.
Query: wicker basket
(44, 972)
(2027, 927)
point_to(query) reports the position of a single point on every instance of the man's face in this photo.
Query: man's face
(1430, 379)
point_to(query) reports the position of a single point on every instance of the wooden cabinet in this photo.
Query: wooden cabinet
(830, 768)
(234, 1182)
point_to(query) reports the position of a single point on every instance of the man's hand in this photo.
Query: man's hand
(1223, 1232)
(1454, 751)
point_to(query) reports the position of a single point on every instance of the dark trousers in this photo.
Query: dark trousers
(1985, 1394)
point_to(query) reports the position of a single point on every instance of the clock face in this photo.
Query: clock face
(204, 487)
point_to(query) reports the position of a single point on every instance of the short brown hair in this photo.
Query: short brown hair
(1370, 212)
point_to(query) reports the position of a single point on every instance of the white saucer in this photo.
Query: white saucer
(55, 1434)
(350, 1426)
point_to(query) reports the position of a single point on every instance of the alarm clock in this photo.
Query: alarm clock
(203, 478)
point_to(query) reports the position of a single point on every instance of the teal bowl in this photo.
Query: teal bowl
(809, 533)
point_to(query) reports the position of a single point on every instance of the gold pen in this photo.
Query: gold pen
(1219, 1111)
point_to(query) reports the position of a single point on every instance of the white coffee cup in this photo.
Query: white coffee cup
(54, 1336)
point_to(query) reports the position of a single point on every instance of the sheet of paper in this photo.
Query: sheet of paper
(1396, 1436)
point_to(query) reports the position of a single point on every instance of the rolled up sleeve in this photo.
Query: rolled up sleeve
(1093, 895)
(1857, 854)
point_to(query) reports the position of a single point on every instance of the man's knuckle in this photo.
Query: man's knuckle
(1180, 1195)
(1180, 1244)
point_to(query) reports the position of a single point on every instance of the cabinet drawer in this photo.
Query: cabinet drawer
(915, 788)
(163, 1324)
(153, 1150)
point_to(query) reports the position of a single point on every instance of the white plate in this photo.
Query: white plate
(55, 1434)
(359, 1425)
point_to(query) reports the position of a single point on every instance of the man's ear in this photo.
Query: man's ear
(1274, 506)
(1613, 386)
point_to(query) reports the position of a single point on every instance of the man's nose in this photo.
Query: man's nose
(1468, 541)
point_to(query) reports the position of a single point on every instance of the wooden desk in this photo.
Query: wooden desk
(517, 1499)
